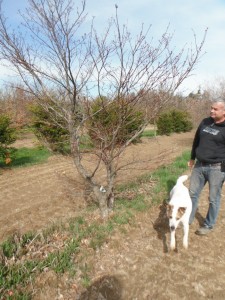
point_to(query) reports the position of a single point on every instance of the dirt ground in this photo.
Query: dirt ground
(132, 266)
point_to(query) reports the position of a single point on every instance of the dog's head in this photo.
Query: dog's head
(174, 214)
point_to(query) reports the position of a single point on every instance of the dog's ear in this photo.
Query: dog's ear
(182, 210)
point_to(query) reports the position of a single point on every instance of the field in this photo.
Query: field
(34, 197)
(134, 264)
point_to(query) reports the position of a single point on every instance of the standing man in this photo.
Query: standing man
(208, 160)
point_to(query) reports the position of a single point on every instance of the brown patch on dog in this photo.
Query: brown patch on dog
(169, 210)
(180, 212)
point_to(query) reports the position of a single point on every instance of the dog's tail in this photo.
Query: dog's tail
(182, 178)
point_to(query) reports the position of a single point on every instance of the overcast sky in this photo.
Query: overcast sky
(184, 17)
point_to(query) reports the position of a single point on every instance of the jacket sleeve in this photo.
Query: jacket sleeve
(195, 142)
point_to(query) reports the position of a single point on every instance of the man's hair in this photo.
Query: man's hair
(219, 100)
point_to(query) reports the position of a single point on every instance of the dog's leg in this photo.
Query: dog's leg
(185, 238)
(172, 240)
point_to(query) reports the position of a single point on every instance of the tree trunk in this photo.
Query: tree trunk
(110, 201)
(101, 196)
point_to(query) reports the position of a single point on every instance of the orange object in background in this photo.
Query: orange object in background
(8, 159)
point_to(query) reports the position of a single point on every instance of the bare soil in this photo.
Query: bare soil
(132, 265)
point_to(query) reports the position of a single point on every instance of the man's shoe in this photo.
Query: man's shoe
(203, 230)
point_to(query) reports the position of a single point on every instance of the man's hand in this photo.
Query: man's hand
(191, 163)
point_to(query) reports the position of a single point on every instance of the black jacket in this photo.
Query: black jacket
(209, 142)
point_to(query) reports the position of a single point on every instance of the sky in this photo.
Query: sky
(184, 19)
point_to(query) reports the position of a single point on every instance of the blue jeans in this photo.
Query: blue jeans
(200, 175)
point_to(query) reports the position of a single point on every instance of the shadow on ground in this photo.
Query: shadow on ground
(107, 287)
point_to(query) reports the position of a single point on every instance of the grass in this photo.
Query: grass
(24, 157)
(27, 156)
(149, 133)
(138, 203)
(30, 156)
(166, 176)
(86, 143)
(160, 182)
(81, 236)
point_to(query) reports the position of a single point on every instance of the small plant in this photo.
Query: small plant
(9, 248)
(27, 238)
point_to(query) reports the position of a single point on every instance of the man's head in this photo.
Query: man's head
(217, 111)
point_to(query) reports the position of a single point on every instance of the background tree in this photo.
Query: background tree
(15, 102)
(54, 56)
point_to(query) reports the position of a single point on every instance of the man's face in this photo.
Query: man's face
(217, 111)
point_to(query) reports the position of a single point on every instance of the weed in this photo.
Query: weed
(85, 277)
(123, 218)
(27, 238)
(9, 248)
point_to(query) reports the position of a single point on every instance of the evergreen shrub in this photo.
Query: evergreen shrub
(173, 121)
(53, 135)
(7, 137)
(109, 117)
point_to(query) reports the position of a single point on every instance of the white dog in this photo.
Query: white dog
(179, 210)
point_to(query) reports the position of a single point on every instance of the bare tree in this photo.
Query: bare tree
(214, 89)
(52, 55)
(15, 102)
